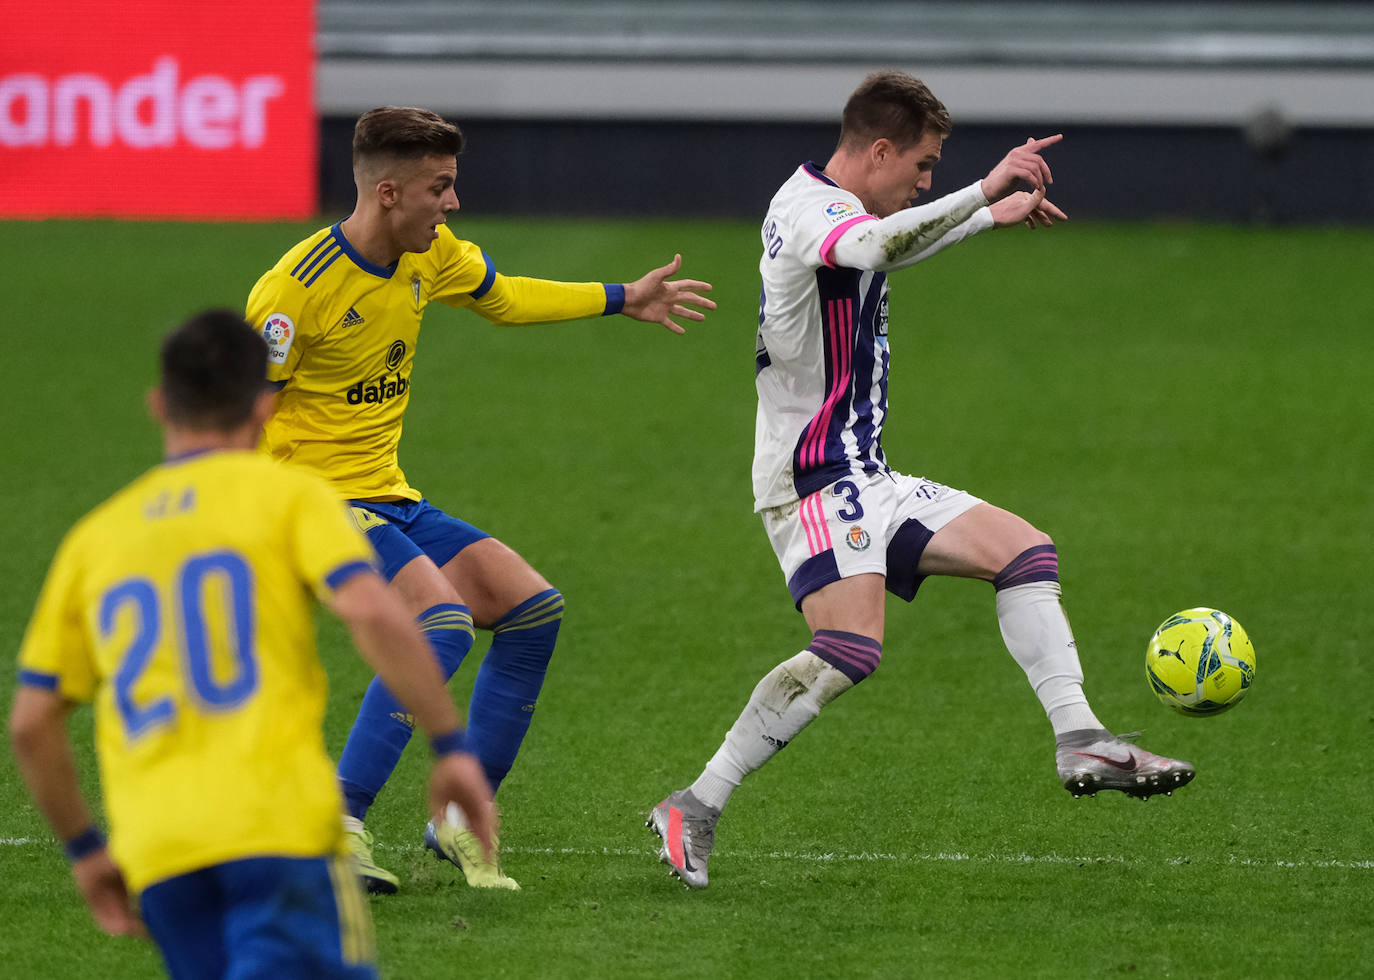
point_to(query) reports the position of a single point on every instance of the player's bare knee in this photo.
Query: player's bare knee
(421, 585)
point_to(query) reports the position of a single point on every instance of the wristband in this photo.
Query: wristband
(615, 298)
(84, 844)
(449, 742)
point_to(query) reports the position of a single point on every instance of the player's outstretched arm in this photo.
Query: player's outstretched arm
(394, 647)
(654, 298)
(38, 732)
(912, 234)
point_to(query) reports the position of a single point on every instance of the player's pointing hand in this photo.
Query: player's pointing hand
(654, 298)
(1023, 164)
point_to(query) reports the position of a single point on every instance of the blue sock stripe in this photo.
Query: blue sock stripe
(446, 616)
(552, 616)
(1037, 564)
(539, 610)
(461, 623)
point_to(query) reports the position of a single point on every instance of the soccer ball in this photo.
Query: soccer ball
(1200, 662)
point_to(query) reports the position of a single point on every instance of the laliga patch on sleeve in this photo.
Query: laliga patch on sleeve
(841, 211)
(278, 331)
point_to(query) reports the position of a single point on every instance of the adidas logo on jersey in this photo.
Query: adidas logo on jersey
(352, 318)
(370, 392)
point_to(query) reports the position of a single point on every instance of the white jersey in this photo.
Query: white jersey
(821, 360)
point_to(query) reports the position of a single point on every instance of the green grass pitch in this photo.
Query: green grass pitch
(1187, 411)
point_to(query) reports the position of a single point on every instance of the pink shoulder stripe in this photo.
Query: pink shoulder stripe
(829, 244)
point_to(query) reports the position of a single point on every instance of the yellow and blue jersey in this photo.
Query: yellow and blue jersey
(183, 608)
(342, 333)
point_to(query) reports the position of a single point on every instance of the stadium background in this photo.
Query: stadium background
(1175, 385)
(1230, 111)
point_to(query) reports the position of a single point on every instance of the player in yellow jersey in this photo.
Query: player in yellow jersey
(342, 312)
(182, 607)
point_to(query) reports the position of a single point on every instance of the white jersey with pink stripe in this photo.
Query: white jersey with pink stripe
(821, 358)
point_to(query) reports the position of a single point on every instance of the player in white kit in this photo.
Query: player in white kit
(845, 527)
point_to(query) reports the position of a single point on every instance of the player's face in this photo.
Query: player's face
(424, 199)
(902, 176)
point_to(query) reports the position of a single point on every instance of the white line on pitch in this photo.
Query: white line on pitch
(941, 857)
(881, 857)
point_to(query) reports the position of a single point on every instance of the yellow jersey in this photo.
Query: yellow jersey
(183, 608)
(342, 333)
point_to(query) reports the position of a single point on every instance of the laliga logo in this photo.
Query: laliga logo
(152, 110)
(277, 330)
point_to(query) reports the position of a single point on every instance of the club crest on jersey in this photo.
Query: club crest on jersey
(415, 289)
(858, 538)
(278, 330)
(838, 211)
(880, 318)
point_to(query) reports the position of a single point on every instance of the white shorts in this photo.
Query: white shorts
(878, 522)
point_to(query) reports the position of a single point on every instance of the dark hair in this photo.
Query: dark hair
(404, 133)
(892, 105)
(214, 366)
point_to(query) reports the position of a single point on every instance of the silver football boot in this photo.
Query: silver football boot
(688, 829)
(1093, 760)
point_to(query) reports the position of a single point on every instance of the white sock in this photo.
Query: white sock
(787, 700)
(1038, 636)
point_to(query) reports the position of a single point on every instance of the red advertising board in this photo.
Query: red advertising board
(158, 109)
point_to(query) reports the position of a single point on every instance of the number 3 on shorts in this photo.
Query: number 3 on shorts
(854, 510)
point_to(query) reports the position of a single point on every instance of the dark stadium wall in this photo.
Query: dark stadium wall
(715, 169)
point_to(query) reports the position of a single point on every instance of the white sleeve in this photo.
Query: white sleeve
(913, 234)
(815, 219)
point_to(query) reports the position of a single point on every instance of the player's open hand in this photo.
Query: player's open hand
(655, 298)
(1028, 207)
(102, 886)
(1022, 165)
(458, 780)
